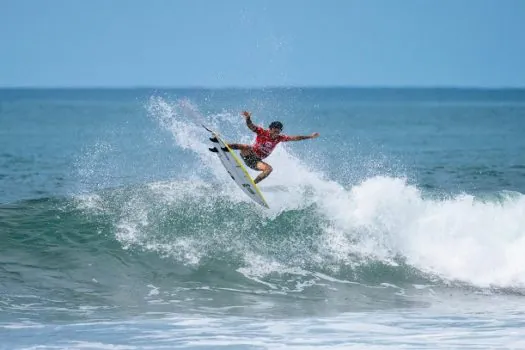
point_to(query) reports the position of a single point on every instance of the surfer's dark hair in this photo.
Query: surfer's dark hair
(277, 125)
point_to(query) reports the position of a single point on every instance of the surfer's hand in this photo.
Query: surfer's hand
(246, 114)
(314, 135)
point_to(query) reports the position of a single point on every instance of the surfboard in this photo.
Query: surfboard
(236, 169)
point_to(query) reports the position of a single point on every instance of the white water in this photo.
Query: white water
(435, 329)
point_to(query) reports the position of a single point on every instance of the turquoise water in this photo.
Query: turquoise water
(400, 227)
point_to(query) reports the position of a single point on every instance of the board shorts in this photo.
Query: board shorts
(251, 160)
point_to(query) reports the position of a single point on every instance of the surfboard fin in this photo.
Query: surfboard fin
(214, 139)
(214, 150)
(225, 149)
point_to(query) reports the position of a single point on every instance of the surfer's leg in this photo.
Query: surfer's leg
(266, 170)
(242, 147)
(250, 159)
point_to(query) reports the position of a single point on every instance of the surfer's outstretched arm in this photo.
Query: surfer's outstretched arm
(249, 123)
(300, 137)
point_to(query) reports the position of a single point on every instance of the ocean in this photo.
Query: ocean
(401, 227)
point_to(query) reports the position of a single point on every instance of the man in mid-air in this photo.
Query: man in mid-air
(264, 144)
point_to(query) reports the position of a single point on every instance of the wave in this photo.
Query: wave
(202, 230)
(380, 231)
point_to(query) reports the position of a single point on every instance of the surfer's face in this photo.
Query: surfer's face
(275, 131)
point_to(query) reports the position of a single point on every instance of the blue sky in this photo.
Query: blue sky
(247, 43)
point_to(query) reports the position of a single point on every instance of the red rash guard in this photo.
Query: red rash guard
(264, 144)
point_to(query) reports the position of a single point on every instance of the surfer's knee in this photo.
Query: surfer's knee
(266, 168)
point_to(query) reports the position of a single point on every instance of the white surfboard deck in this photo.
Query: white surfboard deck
(237, 171)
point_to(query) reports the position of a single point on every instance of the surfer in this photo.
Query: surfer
(264, 144)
